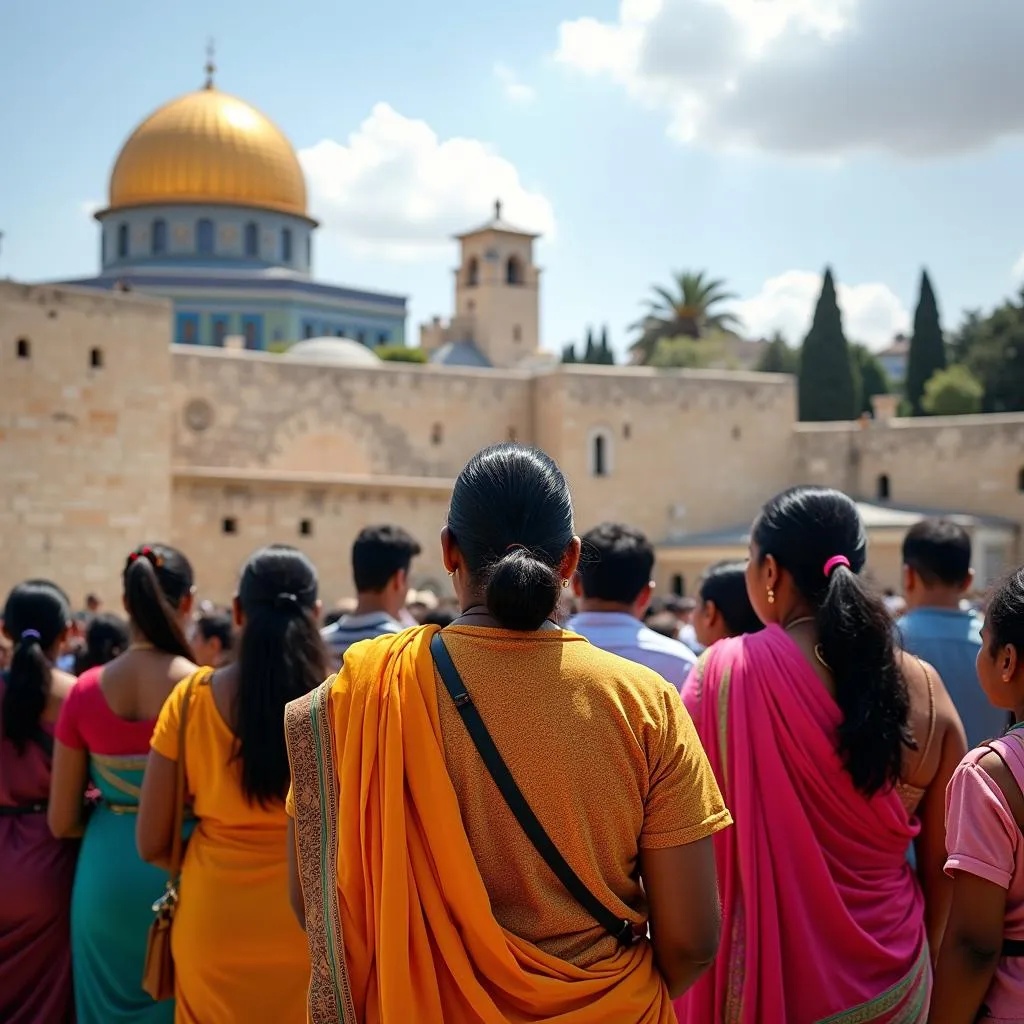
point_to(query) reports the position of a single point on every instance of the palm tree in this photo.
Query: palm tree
(692, 312)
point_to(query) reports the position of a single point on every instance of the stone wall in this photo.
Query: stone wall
(961, 463)
(84, 448)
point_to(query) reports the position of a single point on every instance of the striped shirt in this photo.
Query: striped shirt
(350, 629)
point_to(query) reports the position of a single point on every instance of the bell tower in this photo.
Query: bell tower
(497, 291)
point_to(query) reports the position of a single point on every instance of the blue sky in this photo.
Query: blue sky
(757, 139)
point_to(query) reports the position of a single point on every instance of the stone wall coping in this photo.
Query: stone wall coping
(285, 478)
(81, 297)
(988, 419)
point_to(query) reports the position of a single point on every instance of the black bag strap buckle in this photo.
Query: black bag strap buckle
(619, 929)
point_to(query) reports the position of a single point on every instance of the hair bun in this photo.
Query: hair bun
(522, 590)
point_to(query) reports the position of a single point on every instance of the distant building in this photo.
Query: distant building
(894, 359)
(207, 207)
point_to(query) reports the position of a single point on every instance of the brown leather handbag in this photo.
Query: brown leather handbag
(158, 969)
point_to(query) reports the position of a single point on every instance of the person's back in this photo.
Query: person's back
(381, 557)
(102, 743)
(833, 750)
(614, 585)
(602, 751)
(238, 952)
(36, 870)
(936, 575)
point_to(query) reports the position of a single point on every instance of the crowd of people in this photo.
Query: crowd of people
(558, 797)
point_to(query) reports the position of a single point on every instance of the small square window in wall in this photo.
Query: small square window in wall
(437, 434)
(96, 358)
(306, 527)
(24, 348)
(229, 524)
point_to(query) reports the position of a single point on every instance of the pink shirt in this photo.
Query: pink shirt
(87, 723)
(983, 839)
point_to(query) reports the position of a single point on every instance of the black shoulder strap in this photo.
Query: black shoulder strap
(621, 930)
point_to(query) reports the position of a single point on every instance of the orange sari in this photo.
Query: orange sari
(399, 922)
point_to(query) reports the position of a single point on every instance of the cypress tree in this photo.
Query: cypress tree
(569, 353)
(604, 350)
(590, 354)
(827, 387)
(927, 347)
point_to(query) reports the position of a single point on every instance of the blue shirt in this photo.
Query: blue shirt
(950, 640)
(350, 629)
(621, 634)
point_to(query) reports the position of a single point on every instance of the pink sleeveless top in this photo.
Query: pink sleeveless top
(983, 839)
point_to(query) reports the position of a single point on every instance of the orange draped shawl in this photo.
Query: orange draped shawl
(399, 923)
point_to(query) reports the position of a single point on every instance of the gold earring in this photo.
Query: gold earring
(771, 596)
(451, 574)
(565, 584)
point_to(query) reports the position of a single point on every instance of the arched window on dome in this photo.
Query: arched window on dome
(122, 241)
(204, 236)
(513, 271)
(286, 245)
(252, 239)
(158, 237)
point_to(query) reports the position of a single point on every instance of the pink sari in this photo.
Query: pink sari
(823, 916)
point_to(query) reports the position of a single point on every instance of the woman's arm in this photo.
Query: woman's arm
(294, 884)
(68, 782)
(970, 950)
(686, 916)
(930, 845)
(154, 830)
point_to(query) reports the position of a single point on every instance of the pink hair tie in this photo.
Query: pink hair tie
(834, 561)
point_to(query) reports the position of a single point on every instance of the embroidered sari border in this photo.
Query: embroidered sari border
(906, 998)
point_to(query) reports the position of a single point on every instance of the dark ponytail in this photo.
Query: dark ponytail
(37, 614)
(816, 535)
(511, 517)
(157, 578)
(281, 657)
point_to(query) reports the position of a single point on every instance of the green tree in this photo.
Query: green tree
(927, 346)
(954, 391)
(604, 350)
(690, 310)
(992, 348)
(869, 376)
(400, 354)
(569, 353)
(590, 352)
(778, 357)
(827, 387)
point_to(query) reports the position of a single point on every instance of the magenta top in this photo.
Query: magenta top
(87, 723)
(983, 839)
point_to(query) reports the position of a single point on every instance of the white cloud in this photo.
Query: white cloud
(397, 191)
(815, 77)
(514, 89)
(89, 207)
(872, 313)
(1017, 273)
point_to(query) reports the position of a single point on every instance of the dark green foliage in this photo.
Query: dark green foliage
(778, 357)
(927, 346)
(827, 388)
(569, 353)
(594, 353)
(992, 348)
(954, 391)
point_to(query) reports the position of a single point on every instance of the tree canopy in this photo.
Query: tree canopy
(953, 392)
(827, 387)
(690, 309)
(927, 346)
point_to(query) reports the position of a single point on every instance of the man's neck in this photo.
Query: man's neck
(945, 598)
(373, 604)
(590, 604)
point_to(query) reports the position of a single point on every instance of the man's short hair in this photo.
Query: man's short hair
(378, 553)
(219, 626)
(939, 551)
(616, 563)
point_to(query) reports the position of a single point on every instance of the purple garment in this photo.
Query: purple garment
(36, 874)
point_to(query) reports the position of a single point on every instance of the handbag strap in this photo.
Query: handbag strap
(621, 930)
(180, 794)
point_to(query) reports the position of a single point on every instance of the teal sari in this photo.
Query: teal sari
(111, 904)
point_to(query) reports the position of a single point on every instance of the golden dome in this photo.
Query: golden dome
(208, 147)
